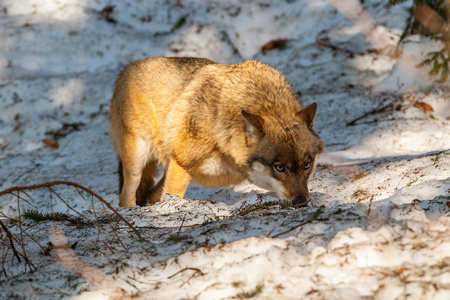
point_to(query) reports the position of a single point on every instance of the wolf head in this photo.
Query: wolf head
(284, 153)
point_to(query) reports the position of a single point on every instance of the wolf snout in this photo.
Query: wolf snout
(300, 200)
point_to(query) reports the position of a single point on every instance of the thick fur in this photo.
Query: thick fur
(212, 123)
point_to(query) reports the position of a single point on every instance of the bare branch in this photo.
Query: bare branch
(11, 241)
(69, 183)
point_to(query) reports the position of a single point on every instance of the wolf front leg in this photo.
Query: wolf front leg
(133, 155)
(131, 180)
(176, 181)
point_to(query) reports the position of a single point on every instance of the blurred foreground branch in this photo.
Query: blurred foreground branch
(17, 243)
(425, 19)
(66, 257)
(69, 183)
(376, 35)
(439, 29)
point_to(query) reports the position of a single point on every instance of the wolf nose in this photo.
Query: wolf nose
(300, 200)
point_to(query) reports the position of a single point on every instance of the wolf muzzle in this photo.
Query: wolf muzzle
(300, 200)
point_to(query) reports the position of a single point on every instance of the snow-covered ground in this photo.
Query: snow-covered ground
(378, 223)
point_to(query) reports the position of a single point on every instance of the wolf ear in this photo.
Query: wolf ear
(307, 115)
(253, 127)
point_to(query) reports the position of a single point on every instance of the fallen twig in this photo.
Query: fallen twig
(370, 206)
(17, 254)
(11, 240)
(227, 39)
(371, 112)
(299, 225)
(185, 269)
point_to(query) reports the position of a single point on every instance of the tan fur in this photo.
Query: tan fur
(207, 122)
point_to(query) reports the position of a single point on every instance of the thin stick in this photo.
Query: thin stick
(21, 242)
(19, 197)
(95, 215)
(32, 238)
(370, 206)
(227, 38)
(185, 269)
(371, 112)
(28, 202)
(51, 202)
(299, 225)
(11, 241)
(182, 222)
(79, 193)
(70, 207)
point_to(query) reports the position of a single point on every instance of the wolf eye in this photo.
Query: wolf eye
(307, 166)
(279, 168)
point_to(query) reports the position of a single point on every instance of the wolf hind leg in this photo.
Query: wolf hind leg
(155, 194)
(175, 181)
(120, 172)
(146, 186)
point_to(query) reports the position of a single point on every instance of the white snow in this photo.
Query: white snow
(377, 226)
